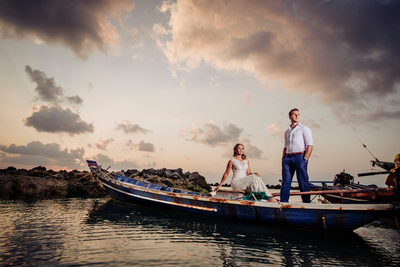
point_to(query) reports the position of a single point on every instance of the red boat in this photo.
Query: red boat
(344, 190)
(361, 195)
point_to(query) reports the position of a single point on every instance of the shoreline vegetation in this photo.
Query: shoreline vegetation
(40, 183)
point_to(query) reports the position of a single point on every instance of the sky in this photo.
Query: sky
(176, 84)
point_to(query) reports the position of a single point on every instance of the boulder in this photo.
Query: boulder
(38, 183)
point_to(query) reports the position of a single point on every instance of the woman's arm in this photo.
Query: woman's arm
(225, 175)
(248, 172)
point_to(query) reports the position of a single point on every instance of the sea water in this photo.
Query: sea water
(105, 232)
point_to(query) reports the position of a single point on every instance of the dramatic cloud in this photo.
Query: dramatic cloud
(37, 153)
(345, 52)
(142, 146)
(47, 89)
(102, 144)
(212, 134)
(55, 119)
(79, 25)
(129, 128)
(106, 161)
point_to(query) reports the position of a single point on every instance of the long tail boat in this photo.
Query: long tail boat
(345, 190)
(336, 217)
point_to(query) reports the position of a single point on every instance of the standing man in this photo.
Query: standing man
(297, 151)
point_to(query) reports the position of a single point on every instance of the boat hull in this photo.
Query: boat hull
(302, 215)
(358, 194)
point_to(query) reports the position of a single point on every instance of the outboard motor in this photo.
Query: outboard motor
(343, 179)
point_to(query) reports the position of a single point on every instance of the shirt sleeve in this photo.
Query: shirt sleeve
(286, 137)
(307, 135)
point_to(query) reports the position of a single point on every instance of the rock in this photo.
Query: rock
(132, 173)
(176, 176)
(23, 172)
(39, 168)
(11, 169)
(168, 174)
(167, 182)
(38, 183)
(155, 180)
(199, 180)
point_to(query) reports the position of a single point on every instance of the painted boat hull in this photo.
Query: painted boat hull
(300, 215)
(361, 194)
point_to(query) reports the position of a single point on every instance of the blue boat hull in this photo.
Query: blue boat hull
(312, 216)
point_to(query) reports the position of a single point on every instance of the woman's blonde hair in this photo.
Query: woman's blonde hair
(235, 148)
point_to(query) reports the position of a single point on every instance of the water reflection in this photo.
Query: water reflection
(239, 243)
(81, 232)
(36, 233)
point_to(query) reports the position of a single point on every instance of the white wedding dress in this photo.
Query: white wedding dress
(247, 183)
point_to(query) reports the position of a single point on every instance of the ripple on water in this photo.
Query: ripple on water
(103, 232)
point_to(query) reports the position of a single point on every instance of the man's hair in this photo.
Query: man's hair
(290, 112)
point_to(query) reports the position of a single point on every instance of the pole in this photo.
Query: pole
(339, 191)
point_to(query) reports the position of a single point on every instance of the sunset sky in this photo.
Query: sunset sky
(176, 84)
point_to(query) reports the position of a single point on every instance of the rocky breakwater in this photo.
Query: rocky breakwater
(176, 178)
(40, 183)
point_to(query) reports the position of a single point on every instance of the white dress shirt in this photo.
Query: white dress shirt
(297, 139)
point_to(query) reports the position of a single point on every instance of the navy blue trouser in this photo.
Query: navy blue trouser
(290, 165)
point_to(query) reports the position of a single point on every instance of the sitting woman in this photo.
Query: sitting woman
(243, 179)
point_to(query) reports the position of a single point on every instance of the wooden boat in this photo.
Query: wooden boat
(300, 215)
(344, 190)
(359, 194)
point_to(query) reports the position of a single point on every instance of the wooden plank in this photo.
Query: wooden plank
(340, 191)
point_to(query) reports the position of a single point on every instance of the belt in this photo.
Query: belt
(294, 154)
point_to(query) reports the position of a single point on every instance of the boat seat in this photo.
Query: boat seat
(229, 194)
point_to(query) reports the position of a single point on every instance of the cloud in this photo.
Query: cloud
(37, 153)
(77, 100)
(212, 134)
(79, 25)
(250, 150)
(142, 146)
(55, 119)
(344, 52)
(314, 124)
(275, 130)
(106, 161)
(102, 144)
(46, 87)
(148, 147)
(129, 128)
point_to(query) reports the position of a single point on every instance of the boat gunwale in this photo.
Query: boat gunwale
(277, 205)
